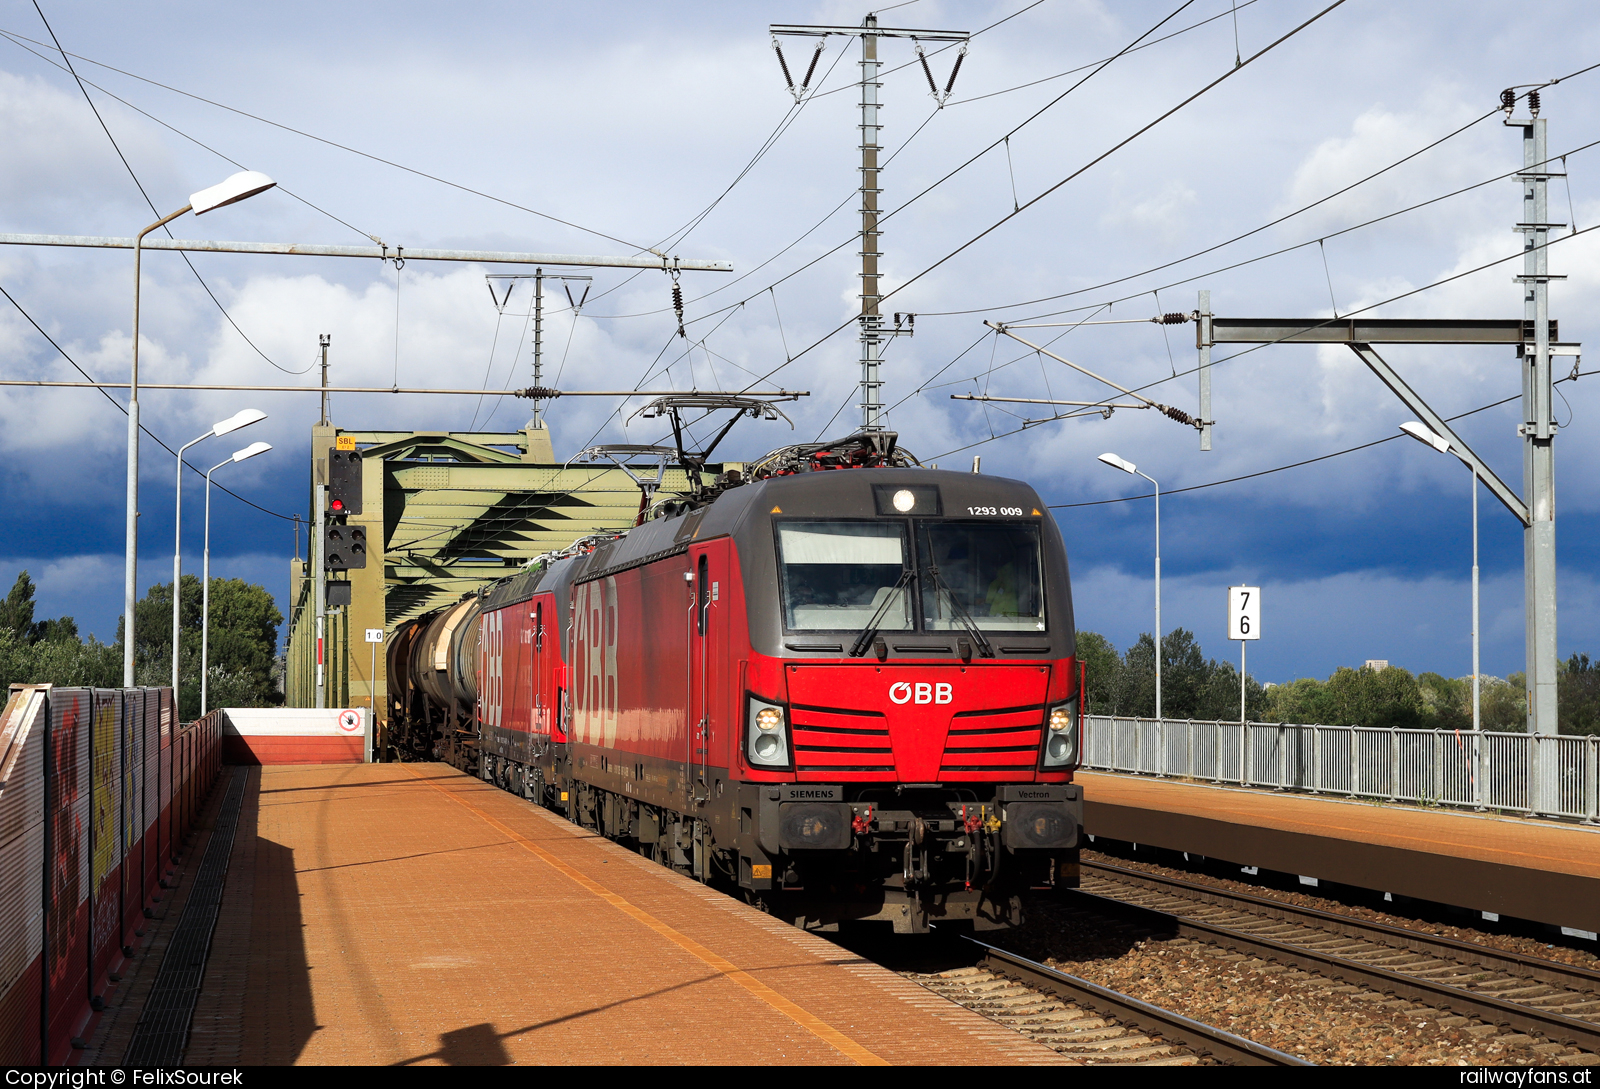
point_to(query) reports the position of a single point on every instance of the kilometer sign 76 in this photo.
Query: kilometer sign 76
(1244, 612)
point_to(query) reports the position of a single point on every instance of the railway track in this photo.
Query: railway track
(1088, 1022)
(1527, 994)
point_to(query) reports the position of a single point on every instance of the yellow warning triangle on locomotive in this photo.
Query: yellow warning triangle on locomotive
(776, 510)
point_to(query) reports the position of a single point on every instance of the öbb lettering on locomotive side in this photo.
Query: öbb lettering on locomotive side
(846, 695)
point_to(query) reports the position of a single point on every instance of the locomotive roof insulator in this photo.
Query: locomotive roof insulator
(862, 450)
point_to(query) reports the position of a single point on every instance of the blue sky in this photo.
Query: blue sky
(629, 120)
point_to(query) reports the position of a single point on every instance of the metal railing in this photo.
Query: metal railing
(1533, 774)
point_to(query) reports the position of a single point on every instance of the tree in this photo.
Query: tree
(1505, 704)
(60, 662)
(61, 630)
(1389, 698)
(1578, 695)
(1446, 702)
(1103, 673)
(1303, 700)
(1137, 694)
(1384, 698)
(16, 611)
(1219, 695)
(1192, 685)
(244, 632)
(244, 639)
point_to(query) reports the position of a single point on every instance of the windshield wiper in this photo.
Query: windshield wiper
(859, 647)
(961, 613)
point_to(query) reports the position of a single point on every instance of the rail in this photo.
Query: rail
(1535, 775)
(1201, 1038)
(1528, 994)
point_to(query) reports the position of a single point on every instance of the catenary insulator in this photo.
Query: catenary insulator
(815, 57)
(787, 78)
(1533, 103)
(933, 87)
(948, 87)
(1179, 414)
(1174, 318)
(1508, 100)
(677, 307)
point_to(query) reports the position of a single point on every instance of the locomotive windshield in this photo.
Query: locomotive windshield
(990, 570)
(836, 575)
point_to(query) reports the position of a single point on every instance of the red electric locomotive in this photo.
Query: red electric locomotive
(852, 694)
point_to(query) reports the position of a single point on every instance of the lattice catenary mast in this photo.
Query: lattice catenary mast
(873, 333)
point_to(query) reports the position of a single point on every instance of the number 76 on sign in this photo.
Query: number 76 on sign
(1244, 612)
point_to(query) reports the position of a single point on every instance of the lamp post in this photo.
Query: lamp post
(242, 418)
(1429, 438)
(246, 183)
(205, 577)
(1129, 467)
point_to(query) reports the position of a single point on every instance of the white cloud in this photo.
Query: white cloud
(1378, 137)
(1160, 213)
(58, 161)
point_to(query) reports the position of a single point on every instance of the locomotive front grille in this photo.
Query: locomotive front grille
(981, 746)
(992, 745)
(835, 744)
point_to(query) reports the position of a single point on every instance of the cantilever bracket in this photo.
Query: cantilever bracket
(1437, 425)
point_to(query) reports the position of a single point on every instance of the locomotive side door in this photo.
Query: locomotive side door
(699, 665)
(539, 726)
(708, 663)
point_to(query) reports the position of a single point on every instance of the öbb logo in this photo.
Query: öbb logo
(903, 692)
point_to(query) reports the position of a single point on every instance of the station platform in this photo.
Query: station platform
(399, 914)
(1542, 870)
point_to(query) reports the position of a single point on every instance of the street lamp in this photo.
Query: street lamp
(205, 577)
(1440, 443)
(242, 418)
(1129, 467)
(246, 183)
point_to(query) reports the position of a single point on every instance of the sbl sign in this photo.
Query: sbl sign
(903, 692)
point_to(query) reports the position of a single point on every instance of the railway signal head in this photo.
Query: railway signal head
(344, 481)
(344, 546)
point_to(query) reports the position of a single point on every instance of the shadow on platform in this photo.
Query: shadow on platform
(278, 1006)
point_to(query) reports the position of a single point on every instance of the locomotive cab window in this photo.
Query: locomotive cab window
(836, 576)
(989, 571)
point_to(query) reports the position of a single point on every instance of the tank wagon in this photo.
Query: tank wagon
(851, 694)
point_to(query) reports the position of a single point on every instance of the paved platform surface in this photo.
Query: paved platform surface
(1543, 870)
(409, 914)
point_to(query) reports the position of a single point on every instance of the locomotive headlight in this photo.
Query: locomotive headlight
(767, 740)
(1061, 738)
